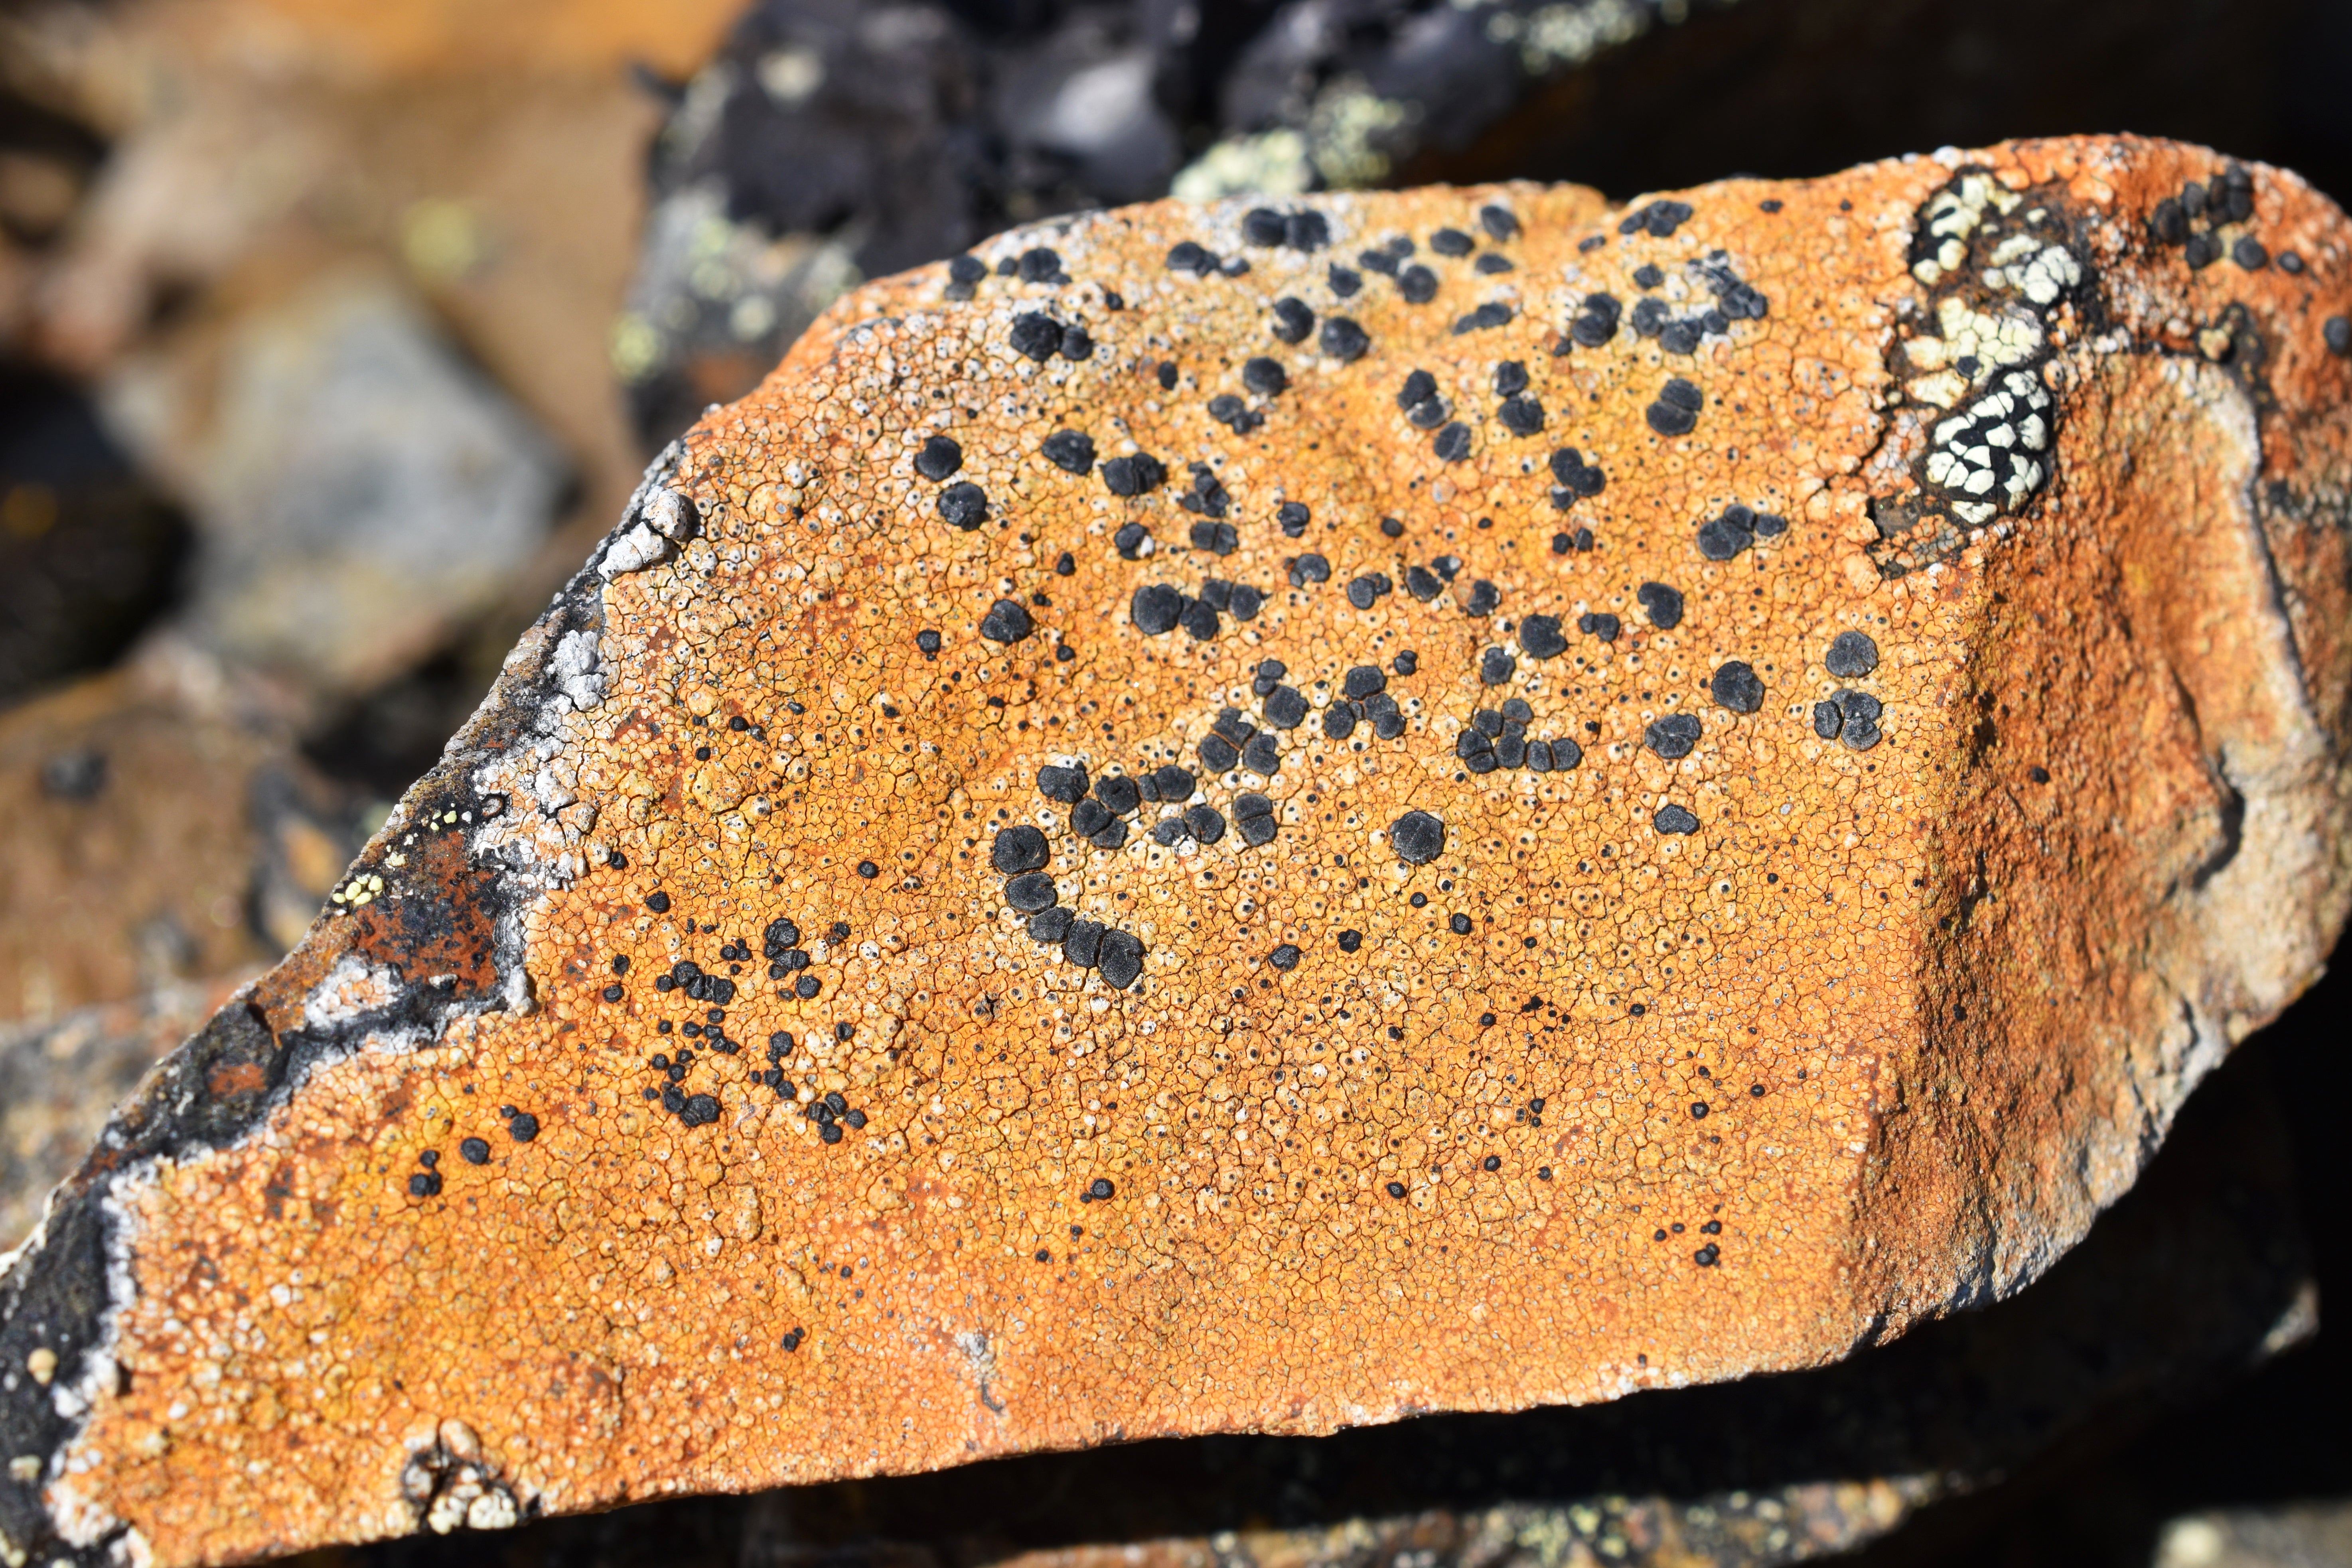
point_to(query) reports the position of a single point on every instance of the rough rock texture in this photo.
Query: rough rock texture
(59, 1079)
(2199, 1271)
(1800, 733)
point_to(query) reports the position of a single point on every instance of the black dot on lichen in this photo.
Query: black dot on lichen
(1023, 848)
(1345, 340)
(1735, 686)
(1007, 621)
(1851, 656)
(964, 505)
(940, 457)
(1418, 838)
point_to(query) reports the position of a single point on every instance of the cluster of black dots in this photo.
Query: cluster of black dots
(425, 1183)
(1019, 853)
(1736, 529)
(1575, 479)
(1426, 582)
(1036, 264)
(1415, 283)
(1234, 741)
(1709, 1253)
(1497, 737)
(1848, 715)
(1363, 700)
(713, 992)
(1598, 319)
(697, 1110)
(1099, 815)
(1158, 609)
(1657, 219)
(832, 1111)
(780, 946)
(1265, 378)
(2193, 219)
(1301, 231)
(1207, 497)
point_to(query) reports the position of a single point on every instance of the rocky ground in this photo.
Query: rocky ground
(292, 444)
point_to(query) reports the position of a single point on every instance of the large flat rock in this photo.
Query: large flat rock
(1842, 731)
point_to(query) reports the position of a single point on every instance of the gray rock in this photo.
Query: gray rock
(358, 490)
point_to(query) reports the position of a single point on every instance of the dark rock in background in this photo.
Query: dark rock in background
(830, 142)
(89, 553)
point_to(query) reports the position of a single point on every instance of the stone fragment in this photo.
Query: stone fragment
(358, 492)
(1731, 1061)
(495, 163)
(2288, 1535)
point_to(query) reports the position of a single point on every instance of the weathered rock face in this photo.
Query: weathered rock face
(1641, 795)
(60, 1078)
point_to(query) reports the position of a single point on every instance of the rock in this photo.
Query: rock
(2310, 1535)
(779, 180)
(59, 1079)
(1627, 1101)
(358, 492)
(495, 166)
(152, 837)
(89, 552)
(2199, 1272)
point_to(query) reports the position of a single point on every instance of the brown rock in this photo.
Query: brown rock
(148, 840)
(1755, 1037)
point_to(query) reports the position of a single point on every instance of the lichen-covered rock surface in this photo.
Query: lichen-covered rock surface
(1269, 818)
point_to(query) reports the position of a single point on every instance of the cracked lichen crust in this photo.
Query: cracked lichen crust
(1195, 822)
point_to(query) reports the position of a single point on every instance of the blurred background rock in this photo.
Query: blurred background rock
(333, 333)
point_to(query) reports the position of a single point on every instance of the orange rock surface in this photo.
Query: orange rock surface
(1793, 1003)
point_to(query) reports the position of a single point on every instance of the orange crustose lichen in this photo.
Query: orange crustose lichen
(1277, 815)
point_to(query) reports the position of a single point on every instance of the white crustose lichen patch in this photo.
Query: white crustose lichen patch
(1982, 359)
(1988, 456)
